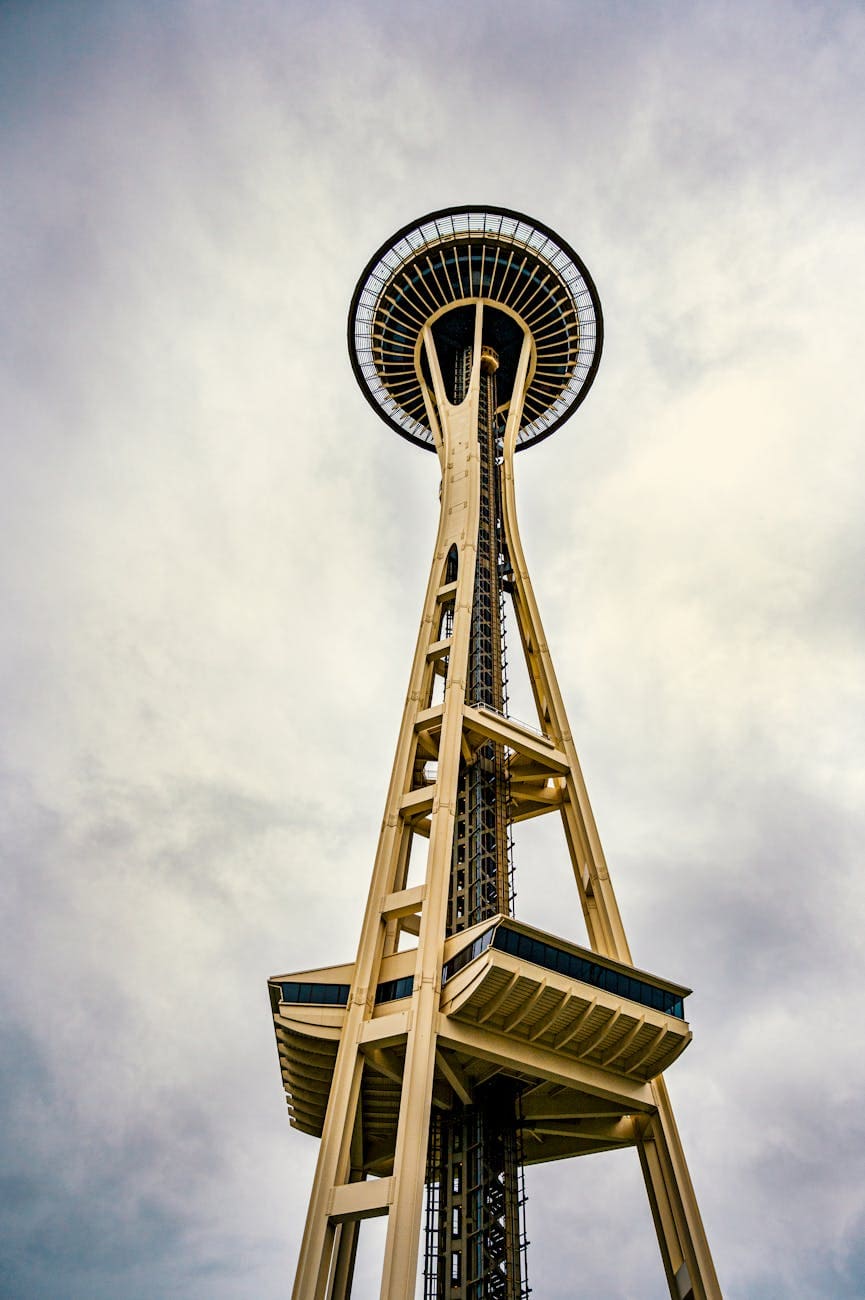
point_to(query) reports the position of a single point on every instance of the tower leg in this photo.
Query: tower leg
(399, 1271)
(681, 1236)
(463, 772)
(346, 1235)
(321, 1233)
(346, 1253)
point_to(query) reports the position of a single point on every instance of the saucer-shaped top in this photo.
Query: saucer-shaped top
(475, 254)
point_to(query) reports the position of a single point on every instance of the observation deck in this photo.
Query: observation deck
(432, 271)
(581, 1034)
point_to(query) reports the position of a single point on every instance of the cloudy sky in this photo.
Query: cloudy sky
(212, 568)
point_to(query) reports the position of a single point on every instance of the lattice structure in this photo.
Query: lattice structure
(475, 1237)
(480, 873)
(462, 1044)
(474, 1225)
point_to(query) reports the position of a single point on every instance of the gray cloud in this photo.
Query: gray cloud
(213, 561)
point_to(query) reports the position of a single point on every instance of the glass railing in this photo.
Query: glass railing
(327, 995)
(589, 970)
(392, 990)
(465, 955)
(336, 995)
(586, 969)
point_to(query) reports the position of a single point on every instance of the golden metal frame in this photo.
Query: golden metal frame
(400, 1059)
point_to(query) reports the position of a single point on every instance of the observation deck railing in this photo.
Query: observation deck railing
(587, 967)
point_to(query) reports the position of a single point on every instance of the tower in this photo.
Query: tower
(463, 1044)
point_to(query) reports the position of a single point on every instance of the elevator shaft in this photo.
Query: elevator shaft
(475, 1242)
(480, 871)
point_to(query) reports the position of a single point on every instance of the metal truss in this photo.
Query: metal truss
(462, 1045)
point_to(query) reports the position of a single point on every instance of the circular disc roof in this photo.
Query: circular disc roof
(463, 255)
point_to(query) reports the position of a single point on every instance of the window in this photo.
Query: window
(589, 972)
(335, 995)
(393, 990)
(465, 955)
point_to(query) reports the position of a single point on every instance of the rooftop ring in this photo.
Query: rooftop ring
(457, 256)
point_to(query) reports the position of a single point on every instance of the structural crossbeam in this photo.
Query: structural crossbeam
(462, 1044)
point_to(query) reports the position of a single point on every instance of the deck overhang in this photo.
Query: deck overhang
(582, 1050)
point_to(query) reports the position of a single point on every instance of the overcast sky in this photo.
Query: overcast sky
(213, 563)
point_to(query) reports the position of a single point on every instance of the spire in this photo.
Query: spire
(463, 1044)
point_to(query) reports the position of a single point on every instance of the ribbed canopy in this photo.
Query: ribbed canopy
(462, 255)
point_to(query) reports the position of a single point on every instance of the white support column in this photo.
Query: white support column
(448, 733)
(681, 1236)
(604, 924)
(461, 499)
(333, 1197)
